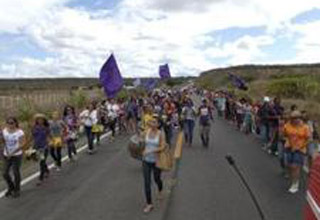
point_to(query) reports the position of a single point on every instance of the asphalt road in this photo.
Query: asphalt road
(209, 188)
(109, 185)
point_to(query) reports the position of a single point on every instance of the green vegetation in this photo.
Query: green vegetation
(26, 110)
(295, 87)
(78, 99)
(299, 84)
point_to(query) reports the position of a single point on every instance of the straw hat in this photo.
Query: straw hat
(39, 115)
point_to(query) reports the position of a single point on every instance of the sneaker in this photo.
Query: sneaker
(75, 157)
(39, 183)
(47, 174)
(16, 194)
(148, 209)
(294, 188)
(8, 194)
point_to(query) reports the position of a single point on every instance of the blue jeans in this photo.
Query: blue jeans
(14, 164)
(148, 169)
(265, 133)
(90, 136)
(188, 130)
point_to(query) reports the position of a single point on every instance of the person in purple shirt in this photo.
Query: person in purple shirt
(71, 120)
(40, 133)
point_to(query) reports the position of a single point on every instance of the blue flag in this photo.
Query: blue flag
(150, 84)
(110, 77)
(164, 71)
(238, 82)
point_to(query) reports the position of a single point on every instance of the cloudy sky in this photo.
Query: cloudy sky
(73, 38)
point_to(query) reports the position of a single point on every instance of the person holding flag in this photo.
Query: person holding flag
(164, 71)
(110, 77)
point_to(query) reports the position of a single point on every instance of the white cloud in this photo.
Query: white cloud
(142, 34)
(18, 14)
(308, 45)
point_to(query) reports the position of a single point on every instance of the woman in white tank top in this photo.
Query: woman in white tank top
(153, 141)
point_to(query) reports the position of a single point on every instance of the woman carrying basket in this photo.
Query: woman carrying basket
(154, 143)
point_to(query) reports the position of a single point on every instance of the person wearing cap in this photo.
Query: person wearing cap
(297, 135)
(263, 117)
(41, 135)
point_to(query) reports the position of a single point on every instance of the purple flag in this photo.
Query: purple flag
(110, 77)
(164, 71)
(238, 82)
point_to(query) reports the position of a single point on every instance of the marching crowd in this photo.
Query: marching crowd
(157, 115)
(289, 135)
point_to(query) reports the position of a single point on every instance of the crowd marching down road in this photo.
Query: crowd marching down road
(273, 146)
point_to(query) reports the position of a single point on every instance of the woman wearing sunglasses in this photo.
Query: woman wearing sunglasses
(13, 138)
(153, 141)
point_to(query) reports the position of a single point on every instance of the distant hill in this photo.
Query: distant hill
(295, 84)
(47, 83)
(9, 85)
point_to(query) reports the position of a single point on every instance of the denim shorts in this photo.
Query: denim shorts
(294, 157)
(312, 149)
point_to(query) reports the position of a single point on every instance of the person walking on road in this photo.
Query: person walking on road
(113, 114)
(41, 135)
(57, 128)
(189, 117)
(206, 116)
(71, 121)
(89, 119)
(154, 140)
(14, 139)
(297, 135)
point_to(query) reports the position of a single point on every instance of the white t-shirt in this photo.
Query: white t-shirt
(12, 141)
(89, 118)
(113, 110)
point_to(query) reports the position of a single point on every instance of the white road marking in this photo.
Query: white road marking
(37, 174)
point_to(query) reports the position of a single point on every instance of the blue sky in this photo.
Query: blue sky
(63, 38)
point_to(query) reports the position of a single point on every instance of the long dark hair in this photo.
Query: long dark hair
(15, 121)
(65, 111)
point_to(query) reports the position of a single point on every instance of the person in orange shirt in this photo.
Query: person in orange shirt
(297, 134)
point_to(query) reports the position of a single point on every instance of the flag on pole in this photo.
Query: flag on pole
(137, 82)
(150, 84)
(110, 77)
(238, 82)
(164, 71)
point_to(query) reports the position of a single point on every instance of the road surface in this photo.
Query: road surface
(109, 185)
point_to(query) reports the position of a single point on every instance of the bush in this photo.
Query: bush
(299, 87)
(26, 110)
(78, 99)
